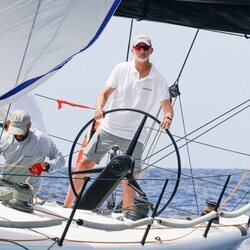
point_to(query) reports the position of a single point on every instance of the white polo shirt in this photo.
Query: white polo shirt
(132, 92)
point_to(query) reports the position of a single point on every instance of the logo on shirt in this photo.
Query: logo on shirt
(147, 89)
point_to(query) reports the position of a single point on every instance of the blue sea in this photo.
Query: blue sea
(191, 195)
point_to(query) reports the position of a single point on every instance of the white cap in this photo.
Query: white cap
(142, 38)
(19, 122)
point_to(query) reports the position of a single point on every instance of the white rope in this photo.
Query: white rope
(213, 214)
(31, 224)
(13, 166)
(236, 213)
(118, 226)
(186, 223)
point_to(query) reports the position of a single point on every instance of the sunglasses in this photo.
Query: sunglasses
(144, 47)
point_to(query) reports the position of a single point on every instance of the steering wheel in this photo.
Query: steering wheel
(129, 151)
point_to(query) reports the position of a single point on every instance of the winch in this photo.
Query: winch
(210, 206)
(140, 209)
(23, 198)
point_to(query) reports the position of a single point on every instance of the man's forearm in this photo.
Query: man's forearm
(101, 101)
(167, 109)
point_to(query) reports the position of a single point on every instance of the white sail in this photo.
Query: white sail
(37, 37)
(30, 105)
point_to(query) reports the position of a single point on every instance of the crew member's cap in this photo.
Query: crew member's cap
(19, 122)
(142, 38)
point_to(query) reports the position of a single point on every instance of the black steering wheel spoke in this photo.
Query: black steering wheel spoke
(135, 139)
(134, 184)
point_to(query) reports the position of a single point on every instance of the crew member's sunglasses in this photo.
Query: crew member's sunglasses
(144, 47)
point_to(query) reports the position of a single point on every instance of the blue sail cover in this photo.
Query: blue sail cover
(37, 37)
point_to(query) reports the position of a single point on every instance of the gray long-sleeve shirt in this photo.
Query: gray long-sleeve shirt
(35, 148)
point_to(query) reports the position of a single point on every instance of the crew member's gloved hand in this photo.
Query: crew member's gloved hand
(37, 168)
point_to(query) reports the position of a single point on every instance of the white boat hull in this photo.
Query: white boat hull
(226, 235)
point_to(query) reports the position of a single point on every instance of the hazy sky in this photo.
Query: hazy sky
(214, 80)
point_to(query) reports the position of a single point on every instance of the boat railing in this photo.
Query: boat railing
(175, 223)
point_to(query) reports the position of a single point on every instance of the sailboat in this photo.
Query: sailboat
(40, 223)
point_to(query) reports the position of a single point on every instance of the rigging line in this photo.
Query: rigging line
(200, 178)
(216, 118)
(15, 243)
(185, 61)
(153, 124)
(48, 176)
(191, 140)
(128, 47)
(40, 176)
(63, 139)
(28, 42)
(182, 210)
(23, 58)
(206, 124)
(197, 178)
(129, 38)
(46, 97)
(176, 82)
(51, 191)
(210, 145)
(75, 152)
(13, 166)
(235, 189)
(188, 153)
(60, 102)
(5, 120)
(152, 144)
(227, 33)
(151, 128)
(217, 147)
(189, 51)
(242, 199)
(65, 156)
(184, 235)
(36, 176)
(150, 151)
(52, 245)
